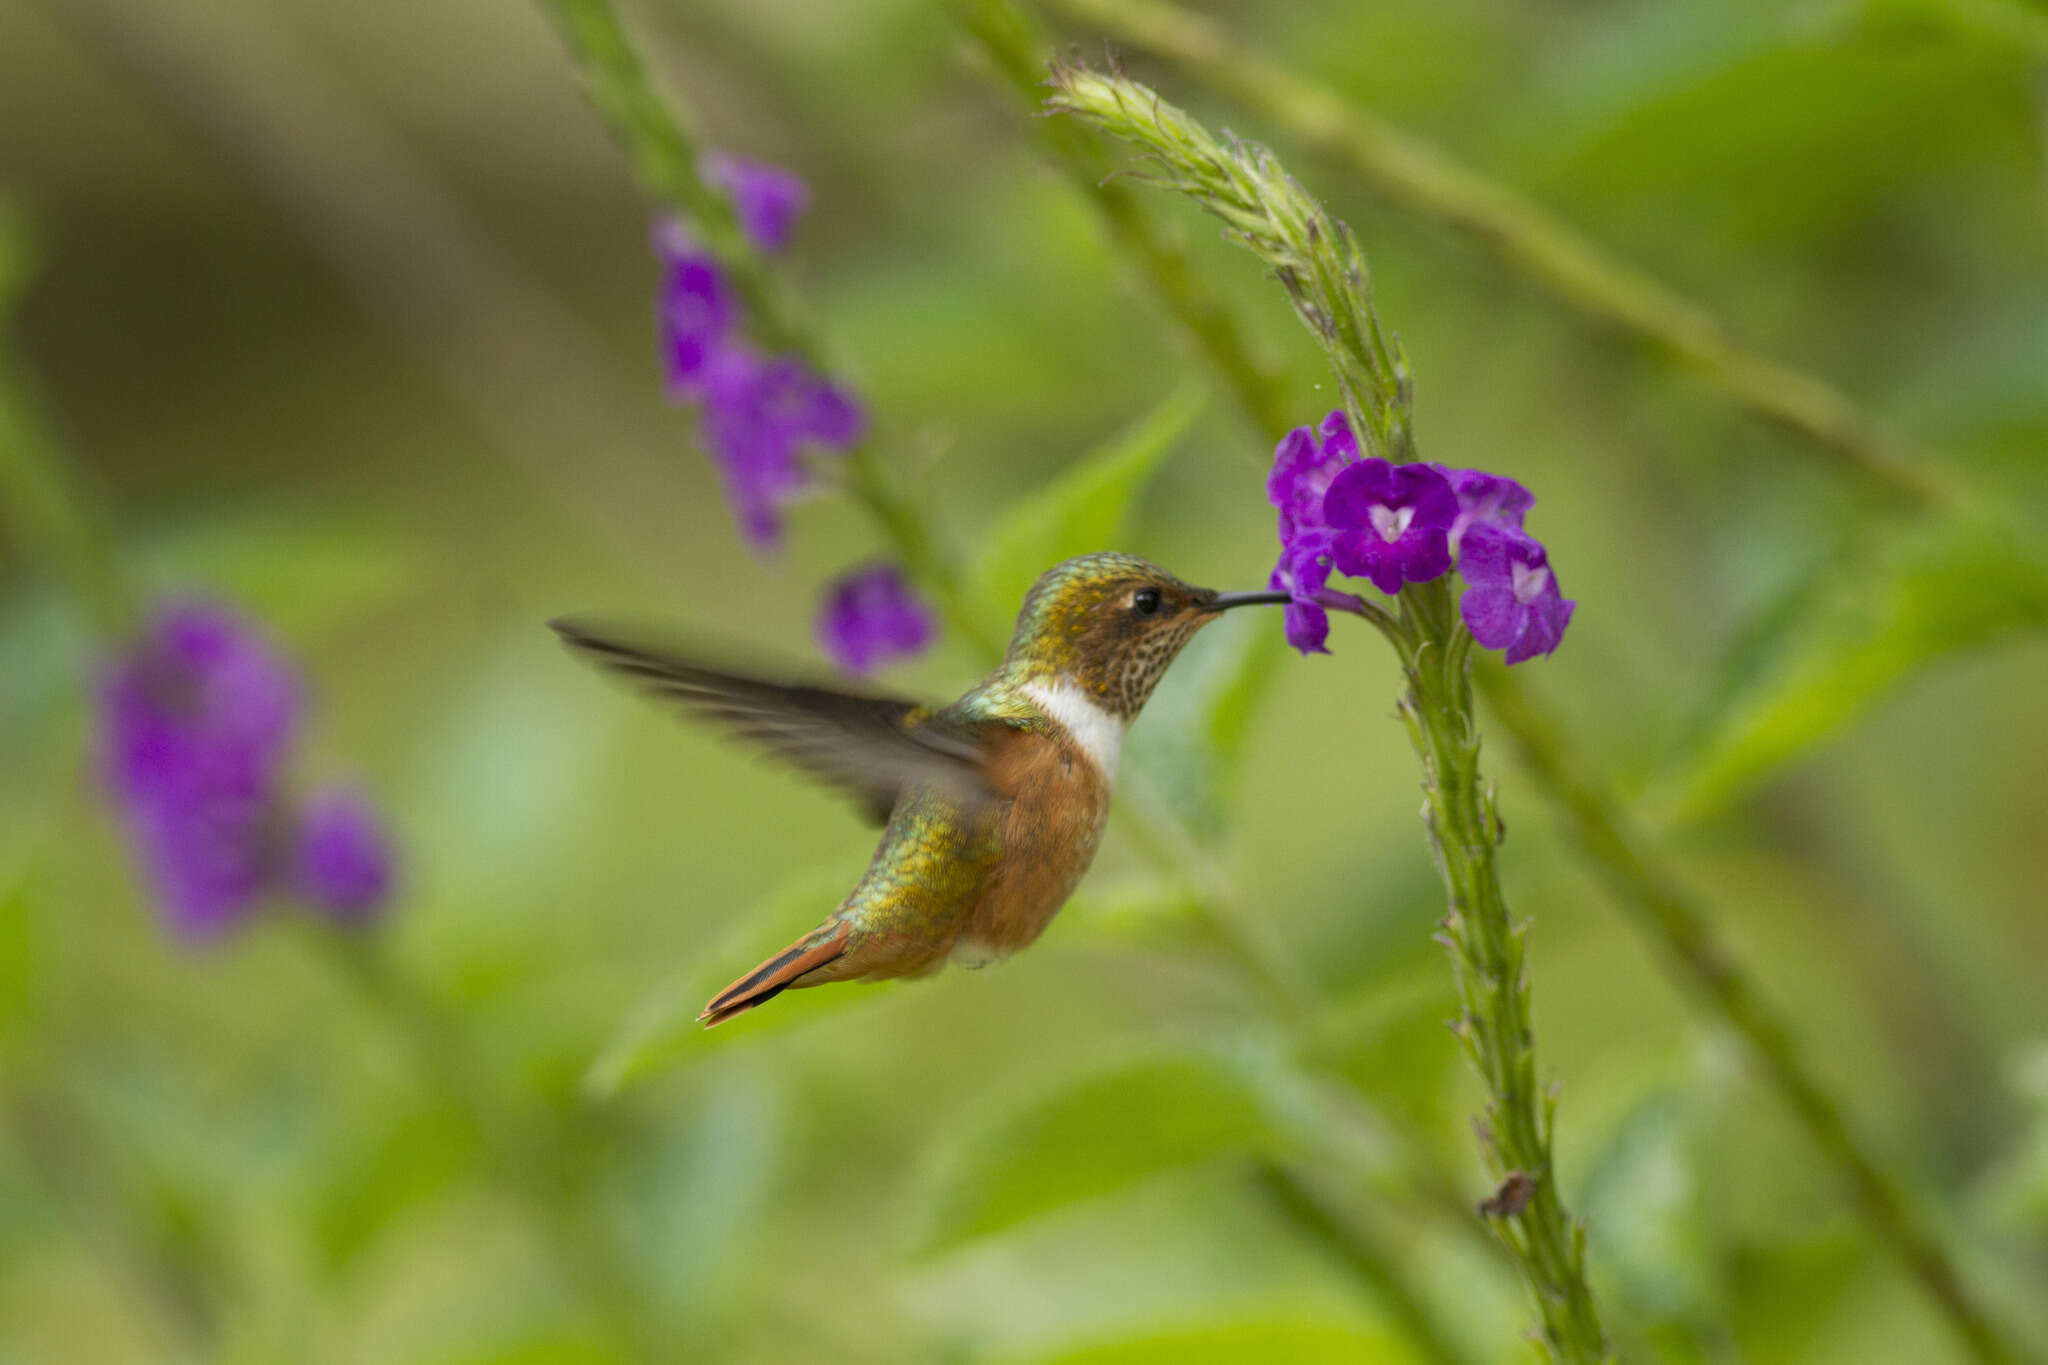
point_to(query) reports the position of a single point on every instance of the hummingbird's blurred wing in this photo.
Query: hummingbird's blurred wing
(869, 747)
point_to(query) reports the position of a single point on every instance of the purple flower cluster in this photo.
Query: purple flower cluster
(760, 412)
(1398, 524)
(198, 721)
(871, 618)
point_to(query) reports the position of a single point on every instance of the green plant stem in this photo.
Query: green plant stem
(1646, 886)
(1486, 948)
(1429, 182)
(1674, 919)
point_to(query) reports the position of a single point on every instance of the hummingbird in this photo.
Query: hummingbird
(992, 807)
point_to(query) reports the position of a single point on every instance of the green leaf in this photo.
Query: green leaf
(663, 1031)
(1091, 1135)
(1085, 510)
(1275, 1341)
(1852, 630)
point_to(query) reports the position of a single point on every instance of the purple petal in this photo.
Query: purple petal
(1493, 616)
(197, 720)
(694, 322)
(1355, 491)
(1302, 472)
(1542, 630)
(1485, 497)
(1308, 626)
(1422, 554)
(1512, 601)
(1338, 441)
(870, 618)
(767, 199)
(343, 863)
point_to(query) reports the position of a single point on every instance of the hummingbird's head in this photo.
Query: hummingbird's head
(1110, 625)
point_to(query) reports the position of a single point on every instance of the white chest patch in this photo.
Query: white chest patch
(1098, 733)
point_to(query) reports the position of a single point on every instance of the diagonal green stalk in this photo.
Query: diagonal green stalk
(1319, 264)
(1650, 891)
(1429, 182)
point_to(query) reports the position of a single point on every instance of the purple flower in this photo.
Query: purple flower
(343, 859)
(197, 720)
(871, 618)
(758, 414)
(1511, 598)
(1485, 497)
(1303, 569)
(1302, 470)
(695, 317)
(767, 199)
(1390, 523)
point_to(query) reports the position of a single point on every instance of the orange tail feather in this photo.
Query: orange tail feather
(823, 944)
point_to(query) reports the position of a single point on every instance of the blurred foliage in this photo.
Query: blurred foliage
(260, 1153)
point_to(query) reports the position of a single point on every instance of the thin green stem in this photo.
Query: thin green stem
(1429, 182)
(1487, 953)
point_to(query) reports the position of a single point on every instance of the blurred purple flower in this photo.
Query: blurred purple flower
(1486, 497)
(695, 317)
(197, 723)
(1511, 598)
(767, 199)
(343, 861)
(871, 618)
(758, 415)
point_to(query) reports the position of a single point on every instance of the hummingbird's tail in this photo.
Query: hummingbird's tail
(824, 944)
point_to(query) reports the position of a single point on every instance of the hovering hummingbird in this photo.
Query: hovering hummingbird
(992, 806)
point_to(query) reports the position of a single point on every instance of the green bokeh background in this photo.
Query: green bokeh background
(406, 463)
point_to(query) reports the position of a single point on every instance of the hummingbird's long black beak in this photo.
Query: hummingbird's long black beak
(1224, 601)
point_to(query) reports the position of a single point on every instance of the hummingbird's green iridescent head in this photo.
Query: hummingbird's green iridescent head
(1110, 624)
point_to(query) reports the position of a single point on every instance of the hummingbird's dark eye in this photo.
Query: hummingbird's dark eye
(1145, 601)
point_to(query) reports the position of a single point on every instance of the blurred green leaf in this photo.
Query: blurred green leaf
(1275, 1341)
(664, 1030)
(1849, 632)
(1085, 510)
(1090, 1135)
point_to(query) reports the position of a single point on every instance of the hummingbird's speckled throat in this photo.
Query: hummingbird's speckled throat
(993, 806)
